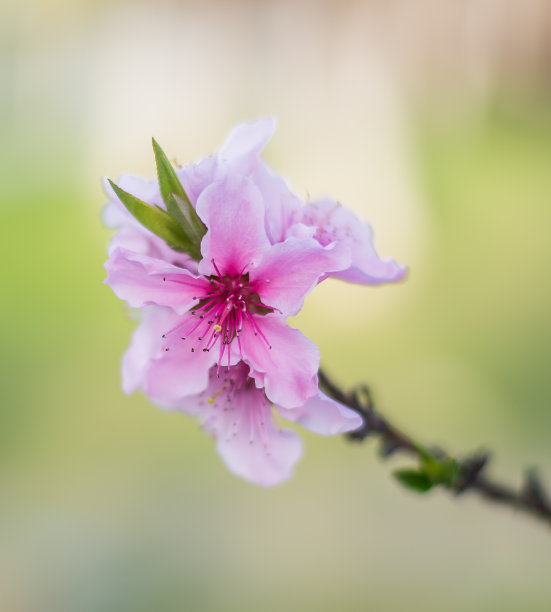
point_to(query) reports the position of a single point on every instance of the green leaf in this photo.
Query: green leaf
(176, 199)
(168, 179)
(443, 471)
(413, 479)
(187, 218)
(157, 221)
(448, 472)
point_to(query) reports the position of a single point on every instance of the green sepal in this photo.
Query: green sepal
(158, 221)
(415, 480)
(178, 204)
(187, 217)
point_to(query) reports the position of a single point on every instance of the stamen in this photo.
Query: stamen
(220, 314)
(257, 329)
(216, 268)
(212, 398)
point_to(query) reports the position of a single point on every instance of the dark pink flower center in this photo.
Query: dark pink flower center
(220, 314)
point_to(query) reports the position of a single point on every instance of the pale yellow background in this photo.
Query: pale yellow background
(432, 120)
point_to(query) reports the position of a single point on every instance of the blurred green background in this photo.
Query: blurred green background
(433, 121)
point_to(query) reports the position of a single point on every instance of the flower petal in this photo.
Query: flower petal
(287, 370)
(178, 373)
(281, 204)
(290, 270)
(238, 155)
(245, 143)
(239, 417)
(143, 281)
(336, 223)
(267, 461)
(145, 346)
(172, 378)
(196, 177)
(233, 211)
(323, 415)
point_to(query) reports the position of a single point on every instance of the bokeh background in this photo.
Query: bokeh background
(432, 119)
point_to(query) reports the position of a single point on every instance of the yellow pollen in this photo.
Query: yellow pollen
(217, 327)
(212, 399)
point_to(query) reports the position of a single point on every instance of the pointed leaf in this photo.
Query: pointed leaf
(157, 221)
(178, 204)
(187, 216)
(168, 179)
(414, 480)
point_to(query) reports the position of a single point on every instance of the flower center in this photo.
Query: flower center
(220, 314)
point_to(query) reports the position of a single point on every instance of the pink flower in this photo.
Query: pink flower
(213, 340)
(235, 308)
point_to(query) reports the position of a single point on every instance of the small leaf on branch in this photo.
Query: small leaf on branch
(415, 480)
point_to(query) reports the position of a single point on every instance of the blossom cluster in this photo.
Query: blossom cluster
(217, 255)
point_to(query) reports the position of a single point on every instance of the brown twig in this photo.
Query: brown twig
(530, 498)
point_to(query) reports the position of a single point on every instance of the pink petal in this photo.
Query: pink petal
(196, 177)
(323, 416)
(288, 370)
(239, 155)
(239, 416)
(233, 211)
(245, 143)
(178, 373)
(375, 272)
(336, 223)
(299, 230)
(130, 238)
(282, 205)
(143, 281)
(266, 462)
(145, 346)
(172, 378)
(291, 269)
